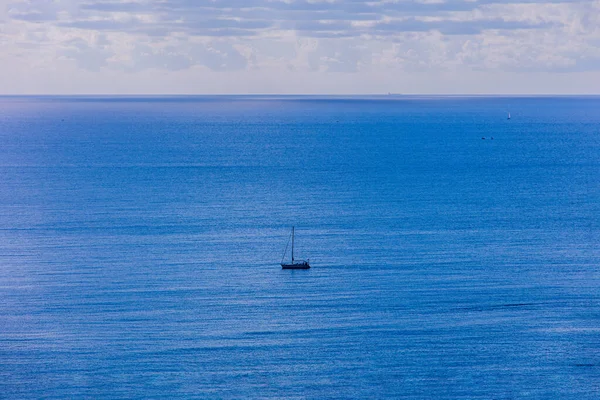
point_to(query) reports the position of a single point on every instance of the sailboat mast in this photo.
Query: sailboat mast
(292, 244)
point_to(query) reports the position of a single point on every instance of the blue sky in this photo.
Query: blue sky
(299, 46)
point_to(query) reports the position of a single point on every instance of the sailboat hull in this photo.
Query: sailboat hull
(303, 265)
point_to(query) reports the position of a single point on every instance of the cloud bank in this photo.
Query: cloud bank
(296, 46)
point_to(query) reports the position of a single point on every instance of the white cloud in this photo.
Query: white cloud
(200, 46)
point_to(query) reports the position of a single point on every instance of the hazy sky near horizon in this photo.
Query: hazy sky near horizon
(299, 46)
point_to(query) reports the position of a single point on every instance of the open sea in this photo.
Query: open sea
(455, 253)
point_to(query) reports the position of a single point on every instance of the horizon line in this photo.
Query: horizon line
(384, 95)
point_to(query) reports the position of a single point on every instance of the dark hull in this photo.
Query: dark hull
(295, 266)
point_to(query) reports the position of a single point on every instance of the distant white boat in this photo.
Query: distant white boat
(508, 116)
(301, 264)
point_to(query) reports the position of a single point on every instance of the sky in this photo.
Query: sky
(299, 47)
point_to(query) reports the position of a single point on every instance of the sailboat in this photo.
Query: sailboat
(508, 116)
(301, 264)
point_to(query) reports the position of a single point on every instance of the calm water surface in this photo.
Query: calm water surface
(140, 240)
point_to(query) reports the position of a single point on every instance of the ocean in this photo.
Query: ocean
(455, 252)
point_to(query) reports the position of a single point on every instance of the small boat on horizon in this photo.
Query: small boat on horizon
(300, 264)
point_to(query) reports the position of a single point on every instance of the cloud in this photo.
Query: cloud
(309, 18)
(324, 37)
(88, 57)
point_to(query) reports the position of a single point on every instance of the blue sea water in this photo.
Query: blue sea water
(140, 241)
